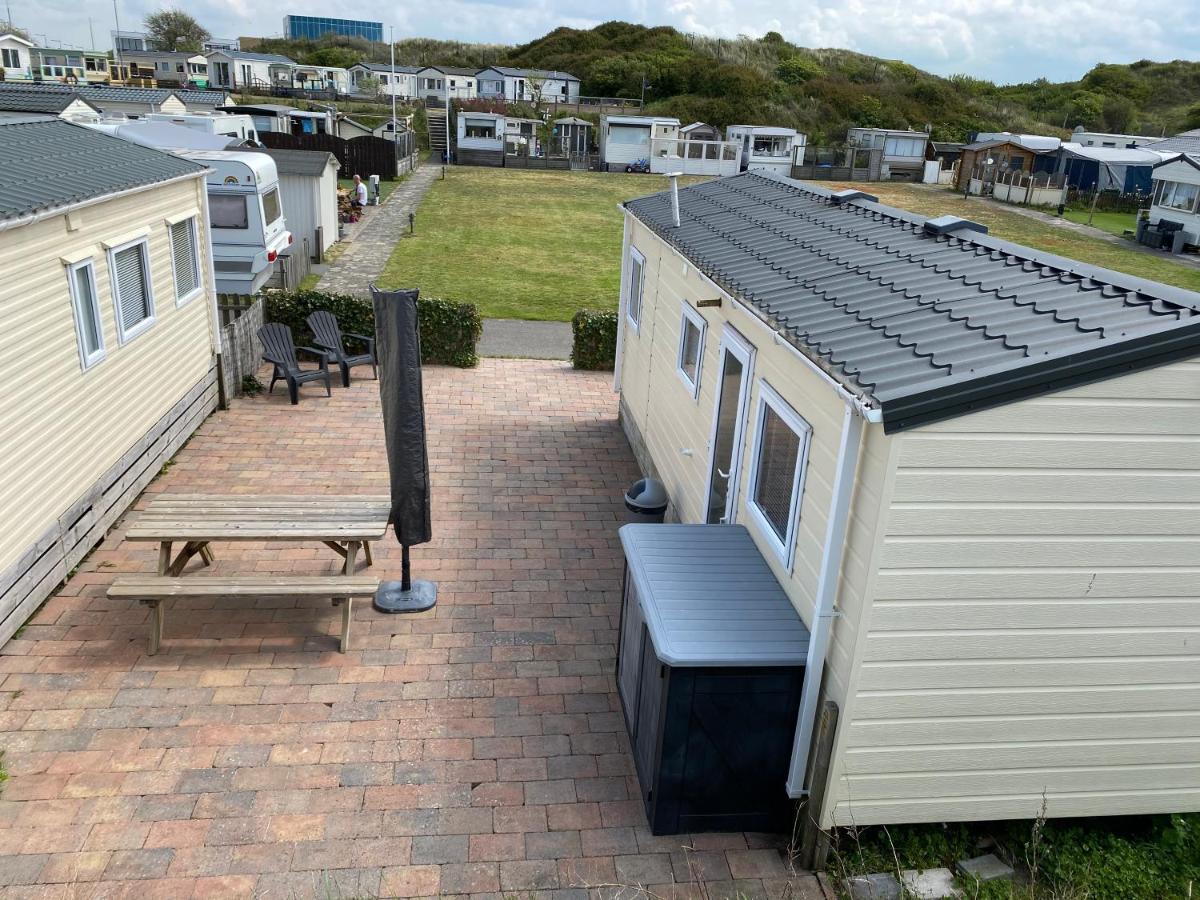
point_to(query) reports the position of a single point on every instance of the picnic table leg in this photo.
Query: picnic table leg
(347, 602)
(164, 557)
(351, 557)
(159, 612)
(367, 553)
(206, 554)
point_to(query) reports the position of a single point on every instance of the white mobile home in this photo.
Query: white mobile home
(481, 139)
(230, 125)
(1176, 195)
(903, 151)
(108, 351)
(625, 141)
(971, 468)
(435, 83)
(168, 68)
(308, 184)
(400, 82)
(527, 85)
(235, 70)
(763, 148)
(16, 57)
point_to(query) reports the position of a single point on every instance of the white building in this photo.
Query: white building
(1176, 195)
(400, 82)
(15, 57)
(986, 520)
(527, 85)
(308, 189)
(482, 138)
(626, 140)
(903, 151)
(236, 70)
(1106, 139)
(765, 148)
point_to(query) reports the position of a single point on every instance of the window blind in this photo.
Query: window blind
(89, 319)
(777, 462)
(132, 291)
(183, 252)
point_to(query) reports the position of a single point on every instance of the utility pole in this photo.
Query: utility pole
(392, 85)
(643, 87)
(117, 36)
(446, 81)
(91, 35)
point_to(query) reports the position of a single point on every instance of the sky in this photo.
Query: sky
(1001, 40)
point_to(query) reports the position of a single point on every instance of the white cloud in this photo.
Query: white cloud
(1005, 40)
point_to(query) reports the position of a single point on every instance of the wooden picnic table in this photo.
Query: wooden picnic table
(345, 524)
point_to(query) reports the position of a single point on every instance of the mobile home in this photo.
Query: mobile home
(1176, 195)
(231, 125)
(481, 138)
(16, 57)
(527, 85)
(627, 141)
(109, 348)
(235, 70)
(764, 148)
(903, 151)
(969, 465)
(399, 82)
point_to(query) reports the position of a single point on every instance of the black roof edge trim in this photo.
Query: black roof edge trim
(1134, 355)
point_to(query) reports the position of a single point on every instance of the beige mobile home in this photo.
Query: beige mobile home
(973, 468)
(107, 352)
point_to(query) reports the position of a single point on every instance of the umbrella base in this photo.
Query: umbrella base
(391, 598)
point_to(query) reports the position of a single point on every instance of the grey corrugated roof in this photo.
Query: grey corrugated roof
(298, 162)
(256, 57)
(385, 67)
(531, 73)
(925, 326)
(50, 163)
(1185, 142)
(710, 599)
(97, 93)
(29, 101)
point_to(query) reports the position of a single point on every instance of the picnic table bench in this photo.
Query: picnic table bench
(345, 524)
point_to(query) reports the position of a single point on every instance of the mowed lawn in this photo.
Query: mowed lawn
(1010, 226)
(520, 244)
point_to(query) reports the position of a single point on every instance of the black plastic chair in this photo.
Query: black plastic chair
(328, 335)
(280, 351)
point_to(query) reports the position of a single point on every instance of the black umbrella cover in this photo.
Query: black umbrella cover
(398, 348)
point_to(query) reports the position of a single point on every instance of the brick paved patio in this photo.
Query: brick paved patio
(476, 749)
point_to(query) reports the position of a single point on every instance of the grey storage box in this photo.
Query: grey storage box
(710, 668)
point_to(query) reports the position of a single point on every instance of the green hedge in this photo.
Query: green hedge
(449, 331)
(594, 339)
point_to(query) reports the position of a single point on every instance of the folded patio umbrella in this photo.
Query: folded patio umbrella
(398, 349)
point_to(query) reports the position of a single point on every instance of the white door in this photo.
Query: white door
(729, 420)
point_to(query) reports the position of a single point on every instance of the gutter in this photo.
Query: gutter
(828, 582)
(43, 214)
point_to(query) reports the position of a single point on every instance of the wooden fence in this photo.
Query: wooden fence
(366, 155)
(241, 352)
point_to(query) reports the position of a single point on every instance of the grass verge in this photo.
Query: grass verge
(519, 244)
(1113, 222)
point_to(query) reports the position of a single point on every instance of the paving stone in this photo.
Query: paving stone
(452, 848)
(929, 884)
(880, 886)
(985, 868)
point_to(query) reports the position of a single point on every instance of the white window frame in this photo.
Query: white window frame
(691, 316)
(124, 335)
(86, 360)
(769, 398)
(637, 292)
(199, 289)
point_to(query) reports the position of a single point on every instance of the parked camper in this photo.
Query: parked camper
(240, 127)
(248, 228)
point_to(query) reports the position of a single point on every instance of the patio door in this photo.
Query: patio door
(729, 419)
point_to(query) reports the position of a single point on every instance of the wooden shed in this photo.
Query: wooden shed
(972, 468)
(986, 159)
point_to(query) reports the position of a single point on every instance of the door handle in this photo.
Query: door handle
(724, 475)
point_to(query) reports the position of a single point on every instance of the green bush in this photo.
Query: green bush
(449, 331)
(594, 339)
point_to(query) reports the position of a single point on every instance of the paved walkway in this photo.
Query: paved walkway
(517, 338)
(369, 251)
(476, 749)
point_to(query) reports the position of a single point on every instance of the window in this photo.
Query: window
(691, 348)
(185, 259)
(88, 330)
(227, 211)
(132, 292)
(777, 471)
(637, 281)
(271, 210)
(1177, 195)
(11, 58)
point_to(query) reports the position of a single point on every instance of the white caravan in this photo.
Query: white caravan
(238, 127)
(246, 217)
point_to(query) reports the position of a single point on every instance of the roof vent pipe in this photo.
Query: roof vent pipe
(674, 176)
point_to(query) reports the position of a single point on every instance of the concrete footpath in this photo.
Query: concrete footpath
(520, 339)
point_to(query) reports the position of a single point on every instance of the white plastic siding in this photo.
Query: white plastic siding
(61, 427)
(1035, 627)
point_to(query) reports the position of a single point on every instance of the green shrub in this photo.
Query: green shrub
(594, 339)
(449, 331)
